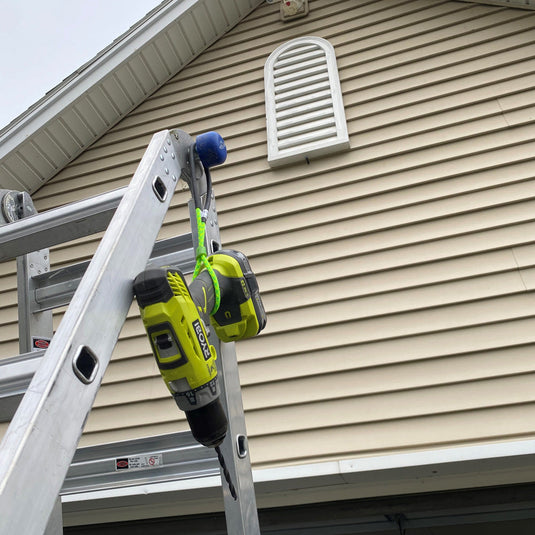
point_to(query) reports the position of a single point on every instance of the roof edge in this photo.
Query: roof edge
(79, 110)
(113, 54)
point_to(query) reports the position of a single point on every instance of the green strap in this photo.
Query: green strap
(202, 260)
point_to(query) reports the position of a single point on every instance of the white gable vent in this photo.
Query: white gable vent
(304, 109)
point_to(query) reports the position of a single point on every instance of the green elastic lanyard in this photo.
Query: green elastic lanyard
(202, 260)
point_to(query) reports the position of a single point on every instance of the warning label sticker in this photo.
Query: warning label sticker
(40, 342)
(139, 462)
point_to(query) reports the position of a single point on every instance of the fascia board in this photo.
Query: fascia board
(366, 477)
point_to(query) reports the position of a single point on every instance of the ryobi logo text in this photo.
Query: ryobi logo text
(202, 339)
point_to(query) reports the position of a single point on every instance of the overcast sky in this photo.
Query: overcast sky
(43, 42)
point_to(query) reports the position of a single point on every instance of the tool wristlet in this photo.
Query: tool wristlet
(202, 259)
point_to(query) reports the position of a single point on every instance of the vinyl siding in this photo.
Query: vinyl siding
(398, 277)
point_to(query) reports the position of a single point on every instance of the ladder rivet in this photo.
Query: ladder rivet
(173, 155)
(161, 157)
(174, 178)
(169, 141)
(166, 171)
(165, 149)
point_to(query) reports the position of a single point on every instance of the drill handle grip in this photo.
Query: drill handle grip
(203, 294)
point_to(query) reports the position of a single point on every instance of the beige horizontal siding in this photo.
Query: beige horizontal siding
(394, 436)
(398, 276)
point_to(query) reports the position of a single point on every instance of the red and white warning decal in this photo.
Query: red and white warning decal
(139, 462)
(40, 342)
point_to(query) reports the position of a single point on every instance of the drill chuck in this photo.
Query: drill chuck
(208, 424)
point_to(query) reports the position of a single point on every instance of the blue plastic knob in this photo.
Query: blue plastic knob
(211, 149)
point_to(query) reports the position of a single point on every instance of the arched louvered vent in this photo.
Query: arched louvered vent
(304, 109)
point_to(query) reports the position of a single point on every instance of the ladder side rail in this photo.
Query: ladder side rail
(35, 327)
(41, 440)
(58, 225)
(55, 521)
(241, 515)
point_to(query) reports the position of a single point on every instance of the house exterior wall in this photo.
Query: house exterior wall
(398, 276)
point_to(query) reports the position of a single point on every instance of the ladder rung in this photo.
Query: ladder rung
(58, 225)
(176, 456)
(179, 455)
(56, 288)
(17, 372)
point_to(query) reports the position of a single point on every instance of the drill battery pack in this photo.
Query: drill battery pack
(241, 313)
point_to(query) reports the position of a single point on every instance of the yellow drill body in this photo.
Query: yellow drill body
(175, 319)
(179, 340)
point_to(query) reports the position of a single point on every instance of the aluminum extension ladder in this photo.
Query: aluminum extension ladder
(42, 438)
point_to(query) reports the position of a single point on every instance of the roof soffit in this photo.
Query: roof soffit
(69, 118)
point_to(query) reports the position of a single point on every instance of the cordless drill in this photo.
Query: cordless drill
(177, 318)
